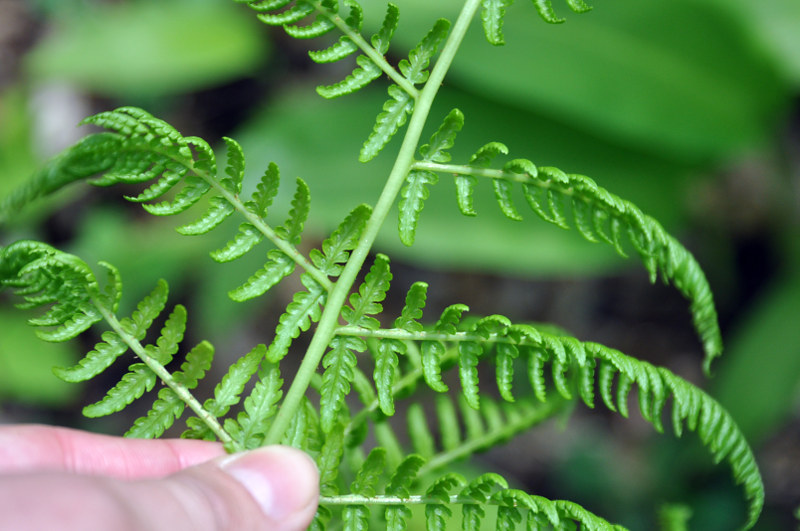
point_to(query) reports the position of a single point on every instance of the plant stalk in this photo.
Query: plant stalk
(405, 158)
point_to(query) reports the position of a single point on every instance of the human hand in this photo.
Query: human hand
(58, 478)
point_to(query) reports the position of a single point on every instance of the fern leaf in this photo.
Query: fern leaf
(357, 516)
(318, 28)
(295, 13)
(393, 117)
(169, 406)
(266, 190)
(133, 385)
(146, 311)
(218, 211)
(330, 459)
(492, 18)
(336, 248)
(167, 180)
(338, 364)
(413, 196)
(437, 514)
(227, 392)
(468, 354)
(370, 472)
(234, 167)
(506, 354)
(385, 374)
(421, 437)
(465, 190)
(304, 431)
(170, 337)
(449, 429)
(278, 267)
(412, 310)
(362, 76)
(400, 482)
(335, 52)
(444, 138)
(304, 308)
(415, 67)
(96, 361)
(367, 302)
(380, 41)
(261, 405)
(244, 241)
(193, 190)
(451, 316)
(293, 228)
(502, 192)
(479, 490)
(432, 353)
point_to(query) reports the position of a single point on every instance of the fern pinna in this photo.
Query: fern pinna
(311, 412)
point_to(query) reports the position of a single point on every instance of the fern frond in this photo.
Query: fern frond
(367, 302)
(169, 405)
(226, 393)
(250, 426)
(492, 16)
(412, 201)
(143, 149)
(545, 9)
(41, 275)
(451, 491)
(574, 367)
(415, 68)
(338, 364)
(599, 216)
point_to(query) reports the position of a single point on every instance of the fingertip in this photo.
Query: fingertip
(283, 481)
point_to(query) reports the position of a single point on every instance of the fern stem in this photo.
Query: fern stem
(357, 499)
(163, 374)
(375, 56)
(326, 328)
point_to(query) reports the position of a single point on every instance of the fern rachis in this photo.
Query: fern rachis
(311, 412)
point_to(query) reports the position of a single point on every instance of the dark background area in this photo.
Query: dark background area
(689, 109)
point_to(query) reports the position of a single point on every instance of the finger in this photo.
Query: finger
(34, 447)
(273, 488)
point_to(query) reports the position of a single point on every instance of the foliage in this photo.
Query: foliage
(174, 174)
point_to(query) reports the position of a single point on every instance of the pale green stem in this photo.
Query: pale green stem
(328, 322)
(163, 374)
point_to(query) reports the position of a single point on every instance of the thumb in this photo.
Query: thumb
(273, 488)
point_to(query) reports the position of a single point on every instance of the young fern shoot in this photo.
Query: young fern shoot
(359, 480)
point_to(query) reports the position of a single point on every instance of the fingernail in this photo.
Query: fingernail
(282, 480)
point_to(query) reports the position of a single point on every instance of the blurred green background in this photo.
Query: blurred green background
(688, 108)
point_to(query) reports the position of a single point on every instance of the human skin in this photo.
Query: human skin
(59, 478)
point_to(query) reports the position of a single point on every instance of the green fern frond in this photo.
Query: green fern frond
(226, 393)
(44, 276)
(545, 9)
(492, 16)
(367, 302)
(599, 216)
(143, 149)
(169, 405)
(415, 191)
(574, 367)
(338, 364)
(250, 426)
(450, 491)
